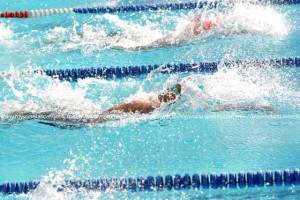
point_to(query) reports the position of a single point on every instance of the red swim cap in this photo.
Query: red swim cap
(209, 22)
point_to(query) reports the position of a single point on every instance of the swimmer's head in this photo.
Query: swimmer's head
(171, 94)
(206, 22)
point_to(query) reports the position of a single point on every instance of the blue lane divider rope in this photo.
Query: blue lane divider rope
(119, 72)
(136, 8)
(146, 7)
(174, 6)
(167, 183)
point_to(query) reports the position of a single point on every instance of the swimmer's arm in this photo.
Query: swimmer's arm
(135, 106)
(187, 33)
(162, 42)
(196, 25)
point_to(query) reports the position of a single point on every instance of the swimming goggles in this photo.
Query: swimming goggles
(174, 90)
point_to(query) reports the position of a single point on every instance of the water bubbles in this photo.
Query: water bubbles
(120, 144)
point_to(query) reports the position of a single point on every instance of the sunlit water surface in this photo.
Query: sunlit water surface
(190, 136)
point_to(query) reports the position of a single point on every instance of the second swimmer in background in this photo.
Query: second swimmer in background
(197, 26)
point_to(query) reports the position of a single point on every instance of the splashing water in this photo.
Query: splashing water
(242, 19)
(6, 37)
(230, 86)
(129, 35)
(239, 86)
(236, 86)
(255, 19)
(5, 32)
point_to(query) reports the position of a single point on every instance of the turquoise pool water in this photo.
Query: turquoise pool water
(185, 137)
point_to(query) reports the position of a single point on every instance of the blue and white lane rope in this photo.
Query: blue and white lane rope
(137, 8)
(167, 183)
(133, 71)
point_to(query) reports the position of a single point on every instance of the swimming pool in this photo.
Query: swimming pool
(185, 137)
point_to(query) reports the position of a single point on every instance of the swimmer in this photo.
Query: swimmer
(95, 115)
(60, 116)
(171, 95)
(197, 26)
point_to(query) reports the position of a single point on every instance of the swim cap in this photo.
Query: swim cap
(210, 22)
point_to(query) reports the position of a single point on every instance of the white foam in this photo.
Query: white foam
(145, 33)
(255, 19)
(135, 34)
(5, 33)
(240, 86)
(130, 35)
(242, 19)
